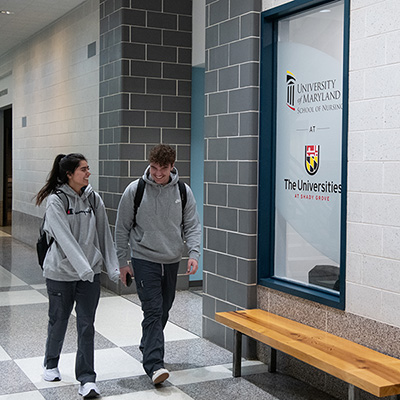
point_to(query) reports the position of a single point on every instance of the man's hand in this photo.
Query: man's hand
(123, 271)
(192, 266)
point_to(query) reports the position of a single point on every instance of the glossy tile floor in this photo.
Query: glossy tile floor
(199, 369)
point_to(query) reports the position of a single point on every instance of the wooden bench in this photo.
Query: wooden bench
(355, 364)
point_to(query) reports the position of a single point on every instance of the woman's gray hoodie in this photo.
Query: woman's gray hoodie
(83, 241)
(157, 236)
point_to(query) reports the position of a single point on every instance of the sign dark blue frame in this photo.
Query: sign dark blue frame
(266, 222)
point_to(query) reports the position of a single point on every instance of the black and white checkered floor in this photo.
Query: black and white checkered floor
(199, 369)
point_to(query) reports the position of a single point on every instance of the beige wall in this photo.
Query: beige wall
(55, 86)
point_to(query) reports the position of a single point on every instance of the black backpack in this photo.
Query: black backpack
(42, 246)
(139, 195)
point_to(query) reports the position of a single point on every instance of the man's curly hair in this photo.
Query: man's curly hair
(162, 155)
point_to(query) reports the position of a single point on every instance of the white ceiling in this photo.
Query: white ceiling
(28, 18)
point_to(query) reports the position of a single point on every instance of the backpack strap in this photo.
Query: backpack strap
(64, 199)
(92, 201)
(182, 191)
(138, 199)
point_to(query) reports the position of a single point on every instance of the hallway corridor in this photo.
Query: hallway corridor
(199, 369)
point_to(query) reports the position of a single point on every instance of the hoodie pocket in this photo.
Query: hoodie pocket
(92, 254)
(168, 245)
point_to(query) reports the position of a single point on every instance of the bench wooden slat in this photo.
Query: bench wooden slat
(367, 369)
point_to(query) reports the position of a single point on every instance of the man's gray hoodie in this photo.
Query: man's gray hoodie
(157, 236)
(83, 241)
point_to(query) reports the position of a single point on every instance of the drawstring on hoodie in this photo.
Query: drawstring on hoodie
(162, 269)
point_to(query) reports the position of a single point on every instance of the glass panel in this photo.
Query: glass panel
(308, 146)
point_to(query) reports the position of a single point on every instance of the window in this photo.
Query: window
(303, 149)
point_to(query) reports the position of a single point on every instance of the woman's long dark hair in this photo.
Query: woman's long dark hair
(63, 164)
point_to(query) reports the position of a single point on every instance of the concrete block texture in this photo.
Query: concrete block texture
(210, 171)
(146, 69)
(217, 286)
(210, 216)
(227, 266)
(217, 103)
(178, 7)
(227, 219)
(219, 11)
(217, 194)
(245, 296)
(229, 31)
(161, 86)
(244, 50)
(249, 123)
(209, 262)
(217, 149)
(212, 36)
(146, 35)
(210, 126)
(248, 173)
(227, 172)
(185, 23)
(145, 55)
(178, 39)
(231, 132)
(249, 74)
(184, 55)
(176, 136)
(228, 125)
(243, 148)
(161, 20)
(210, 82)
(229, 78)
(155, 5)
(241, 245)
(219, 57)
(162, 53)
(238, 7)
(243, 100)
(250, 25)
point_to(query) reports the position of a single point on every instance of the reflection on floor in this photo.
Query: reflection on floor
(199, 369)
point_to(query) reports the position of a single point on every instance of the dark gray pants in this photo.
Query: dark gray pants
(156, 284)
(62, 296)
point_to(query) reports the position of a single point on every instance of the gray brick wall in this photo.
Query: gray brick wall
(145, 91)
(231, 163)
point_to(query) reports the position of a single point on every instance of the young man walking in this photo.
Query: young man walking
(153, 239)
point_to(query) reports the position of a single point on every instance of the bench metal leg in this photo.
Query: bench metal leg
(353, 392)
(237, 354)
(272, 360)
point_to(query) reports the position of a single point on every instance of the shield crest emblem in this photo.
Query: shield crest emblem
(312, 158)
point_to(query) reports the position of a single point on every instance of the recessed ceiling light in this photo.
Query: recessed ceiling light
(6, 12)
(325, 11)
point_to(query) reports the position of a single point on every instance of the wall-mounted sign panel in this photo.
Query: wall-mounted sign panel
(309, 142)
(308, 102)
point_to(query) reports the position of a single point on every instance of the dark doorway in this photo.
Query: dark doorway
(7, 169)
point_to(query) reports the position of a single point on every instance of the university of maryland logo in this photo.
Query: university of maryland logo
(290, 82)
(312, 158)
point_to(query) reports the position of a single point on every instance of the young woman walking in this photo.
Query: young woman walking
(77, 220)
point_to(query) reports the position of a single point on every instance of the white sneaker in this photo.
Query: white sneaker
(160, 376)
(51, 375)
(89, 390)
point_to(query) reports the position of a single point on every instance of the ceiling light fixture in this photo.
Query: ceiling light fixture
(6, 12)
